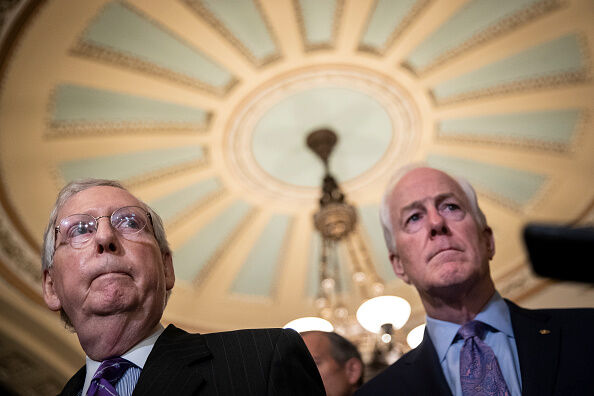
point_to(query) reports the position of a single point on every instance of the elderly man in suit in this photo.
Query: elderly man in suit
(107, 268)
(475, 342)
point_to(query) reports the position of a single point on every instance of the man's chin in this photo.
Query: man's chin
(113, 303)
(452, 275)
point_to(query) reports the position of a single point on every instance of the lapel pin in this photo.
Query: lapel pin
(544, 331)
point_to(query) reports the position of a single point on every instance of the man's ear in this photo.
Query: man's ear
(50, 296)
(490, 241)
(169, 273)
(398, 267)
(354, 369)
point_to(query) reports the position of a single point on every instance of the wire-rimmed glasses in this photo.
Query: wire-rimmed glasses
(77, 229)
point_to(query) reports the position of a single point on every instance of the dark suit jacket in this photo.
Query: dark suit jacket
(242, 362)
(555, 349)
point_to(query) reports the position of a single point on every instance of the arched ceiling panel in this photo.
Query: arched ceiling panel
(133, 165)
(201, 250)
(542, 129)
(243, 24)
(560, 61)
(318, 21)
(123, 35)
(259, 272)
(477, 21)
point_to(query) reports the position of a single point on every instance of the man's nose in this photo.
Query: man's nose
(106, 238)
(436, 222)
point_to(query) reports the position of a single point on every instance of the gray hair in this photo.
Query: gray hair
(341, 349)
(73, 188)
(67, 192)
(385, 215)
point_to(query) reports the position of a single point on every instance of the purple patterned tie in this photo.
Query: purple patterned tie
(107, 375)
(479, 371)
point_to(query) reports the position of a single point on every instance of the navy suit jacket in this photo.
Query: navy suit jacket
(242, 362)
(555, 349)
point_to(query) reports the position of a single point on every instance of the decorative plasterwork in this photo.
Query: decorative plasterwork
(363, 126)
(60, 130)
(143, 175)
(128, 58)
(302, 21)
(14, 253)
(204, 12)
(200, 250)
(196, 208)
(228, 241)
(413, 12)
(260, 273)
(396, 102)
(509, 187)
(180, 206)
(491, 31)
(567, 136)
(536, 68)
(76, 111)
(27, 157)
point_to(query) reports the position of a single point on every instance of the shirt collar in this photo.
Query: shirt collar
(495, 314)
(138, 355)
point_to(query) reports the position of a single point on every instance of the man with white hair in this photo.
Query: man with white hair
(107, 267)
(475, 342)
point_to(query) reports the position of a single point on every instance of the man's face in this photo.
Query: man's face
(439, 244)
(335, 377)
(109, 275)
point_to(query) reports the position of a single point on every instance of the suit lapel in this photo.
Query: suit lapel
(425, 362)
(170, 368)
(75, 384)
(538, 344)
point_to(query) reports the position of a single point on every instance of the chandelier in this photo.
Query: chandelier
(379, 316)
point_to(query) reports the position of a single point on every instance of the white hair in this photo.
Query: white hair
(386, 216)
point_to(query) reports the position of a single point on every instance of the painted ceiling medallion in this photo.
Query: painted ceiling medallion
(264, 140)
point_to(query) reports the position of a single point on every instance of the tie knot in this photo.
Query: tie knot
(472, 329)
(112, 369)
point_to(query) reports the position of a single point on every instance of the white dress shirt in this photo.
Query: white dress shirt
(137, 355)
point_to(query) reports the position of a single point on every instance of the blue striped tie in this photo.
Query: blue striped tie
(107, 375)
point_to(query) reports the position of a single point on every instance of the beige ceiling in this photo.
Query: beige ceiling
(201, 108)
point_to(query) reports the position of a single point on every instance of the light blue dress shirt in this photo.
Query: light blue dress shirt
(137, 355)
(502, 341)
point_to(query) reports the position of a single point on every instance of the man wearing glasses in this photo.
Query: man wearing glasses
(107, 268)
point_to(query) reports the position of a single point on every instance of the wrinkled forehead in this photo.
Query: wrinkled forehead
(423, 184)
(98, 201)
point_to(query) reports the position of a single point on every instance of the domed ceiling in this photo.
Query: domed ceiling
(201, 108)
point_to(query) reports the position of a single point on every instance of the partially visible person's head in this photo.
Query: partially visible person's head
(338, 360)
(123, 266)
(437, 236)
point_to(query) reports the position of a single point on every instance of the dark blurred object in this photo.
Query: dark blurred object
(560, 252)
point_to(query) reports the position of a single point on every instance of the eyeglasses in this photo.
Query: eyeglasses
(77, 229)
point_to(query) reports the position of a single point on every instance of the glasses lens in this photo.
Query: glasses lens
(129, 220)
(77, 229)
